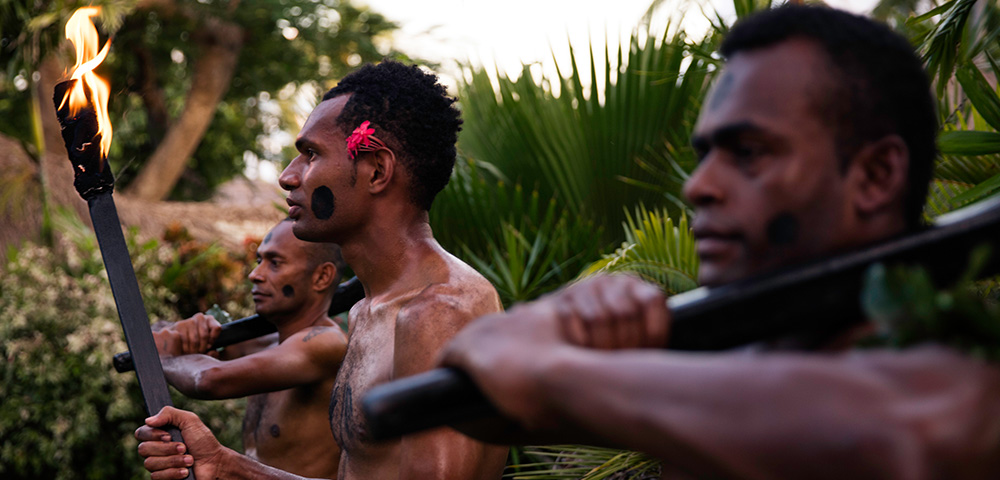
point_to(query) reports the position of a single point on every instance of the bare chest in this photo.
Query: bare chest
(368, 362)
(278, 421)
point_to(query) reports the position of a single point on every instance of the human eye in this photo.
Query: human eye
(748, 151)
(701, 148)
(258, 259)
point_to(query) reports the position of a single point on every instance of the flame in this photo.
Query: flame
(80, 30)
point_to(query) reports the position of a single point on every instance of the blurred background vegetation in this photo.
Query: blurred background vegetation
(559, 176)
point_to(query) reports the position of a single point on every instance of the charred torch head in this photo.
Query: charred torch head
(83, 144)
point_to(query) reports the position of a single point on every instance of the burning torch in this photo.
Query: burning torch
(82, 108)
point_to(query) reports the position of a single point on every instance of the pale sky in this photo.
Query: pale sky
(508, 33)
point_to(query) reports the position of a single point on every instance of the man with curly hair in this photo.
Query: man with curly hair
(372, 157)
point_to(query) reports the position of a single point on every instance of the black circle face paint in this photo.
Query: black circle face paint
(288, 291)
(322, 202)
(783, 229)
(275, 431)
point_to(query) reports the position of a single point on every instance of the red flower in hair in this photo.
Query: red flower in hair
(360, 138)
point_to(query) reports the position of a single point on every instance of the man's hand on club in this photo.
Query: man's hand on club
(169, 460)
(191, 335)
(507, 354)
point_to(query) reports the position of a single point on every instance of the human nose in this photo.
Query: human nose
(291, 176)
(255, 275)
(704, 186)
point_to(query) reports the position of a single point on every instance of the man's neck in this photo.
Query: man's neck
(313, 313)
(387, 251)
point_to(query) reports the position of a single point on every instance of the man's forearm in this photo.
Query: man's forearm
(790, 416)
(186, 373)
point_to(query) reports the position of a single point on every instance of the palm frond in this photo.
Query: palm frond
(942, 44)
(576, 135)
(583, 463)
(656, 250)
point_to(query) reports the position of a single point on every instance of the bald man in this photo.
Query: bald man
(288, 375)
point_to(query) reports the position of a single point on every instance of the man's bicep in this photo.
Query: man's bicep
(306, 357)
(249, 347)
(287, 365)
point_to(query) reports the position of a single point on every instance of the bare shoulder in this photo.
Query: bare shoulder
(317, 336)
(321, 342)
(460, 297)
(444, 306)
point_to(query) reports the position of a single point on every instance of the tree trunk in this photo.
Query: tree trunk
(20, 195)
(221, 43)
(153, 96)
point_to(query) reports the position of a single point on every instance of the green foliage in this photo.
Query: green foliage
(551, 159)
(286, 44)
(941, 52)
(582, 135)
(655, 250)
(525, 245)
(959, 42)
(199, 275)
(584, 463)
(908, 309)
(65, 412)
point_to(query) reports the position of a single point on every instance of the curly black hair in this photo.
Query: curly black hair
(880, 87)
(412, 113)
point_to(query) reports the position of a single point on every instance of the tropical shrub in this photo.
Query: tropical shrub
(959, 43)
(524, 244)
(583, 136)
(65, 412)
(199, 274)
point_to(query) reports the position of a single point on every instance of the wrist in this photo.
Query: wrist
(234, 465)
(547, 384)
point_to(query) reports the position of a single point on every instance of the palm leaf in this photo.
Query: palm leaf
(656, 250)
(577, 135)
(941, 46)
(984, 98)
(583, 463)
(969, 142)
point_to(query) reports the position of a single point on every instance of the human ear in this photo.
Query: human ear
(879, 172)
(383, 166)
(324, 276)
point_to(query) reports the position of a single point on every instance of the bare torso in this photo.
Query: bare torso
(288, 430)
(377, 352)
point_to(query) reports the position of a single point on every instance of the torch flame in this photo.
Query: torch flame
(80, 30)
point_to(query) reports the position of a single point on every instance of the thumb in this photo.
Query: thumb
(171, 416)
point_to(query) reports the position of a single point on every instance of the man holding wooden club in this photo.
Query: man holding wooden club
(287, 376)
(817, 138)
(372, 157)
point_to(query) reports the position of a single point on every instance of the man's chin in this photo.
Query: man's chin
(304, 232)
